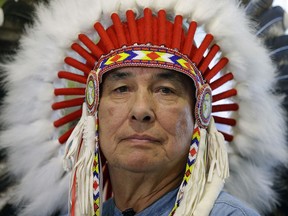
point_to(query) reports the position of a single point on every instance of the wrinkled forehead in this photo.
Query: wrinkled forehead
(149, 73)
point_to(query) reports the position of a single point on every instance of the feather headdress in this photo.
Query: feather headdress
(37, 79)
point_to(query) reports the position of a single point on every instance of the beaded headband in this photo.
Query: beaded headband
(151, 56)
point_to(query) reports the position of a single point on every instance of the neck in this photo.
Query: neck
(140, 190)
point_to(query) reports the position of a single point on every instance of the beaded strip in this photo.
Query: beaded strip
(96, 176)
(189, 167)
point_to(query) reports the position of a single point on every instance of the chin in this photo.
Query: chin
(139, 164)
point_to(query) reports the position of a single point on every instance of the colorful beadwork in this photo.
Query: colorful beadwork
(189, 167)
(92, 95)
(203, 108)
(96, 192)
(149, 56)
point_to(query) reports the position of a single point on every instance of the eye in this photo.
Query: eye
(166, 90)
(121, 89)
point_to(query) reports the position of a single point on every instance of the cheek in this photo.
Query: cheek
(180, 128)
(185, 124)
(179, 122)
(110, 116)
(110, 120)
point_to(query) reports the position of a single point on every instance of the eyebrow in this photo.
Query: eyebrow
(166, 74)
(170, 75)
(119, 75)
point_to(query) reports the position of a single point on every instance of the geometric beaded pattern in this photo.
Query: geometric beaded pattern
(96, 189)
(189, 167)
(148, 56)
(96, 174)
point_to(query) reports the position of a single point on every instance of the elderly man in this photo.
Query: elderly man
(150, 82)
(147, 142)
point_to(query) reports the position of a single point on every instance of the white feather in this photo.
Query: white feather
(127, 5)
(252, 180)
(55, 198)
(144, 3)
(108, 8)
(41, 178)
(167, 5)
(185, 7)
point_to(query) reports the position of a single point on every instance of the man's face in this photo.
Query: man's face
(146, 119)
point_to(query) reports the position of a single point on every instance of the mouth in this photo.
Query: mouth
(136, 138)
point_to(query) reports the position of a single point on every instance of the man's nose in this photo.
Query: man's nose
(142, 107)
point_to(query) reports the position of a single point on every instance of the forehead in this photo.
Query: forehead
(147, 72)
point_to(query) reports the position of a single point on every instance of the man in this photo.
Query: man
(134, 59)
(147, 143)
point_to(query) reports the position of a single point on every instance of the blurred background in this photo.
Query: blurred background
(271, 21)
